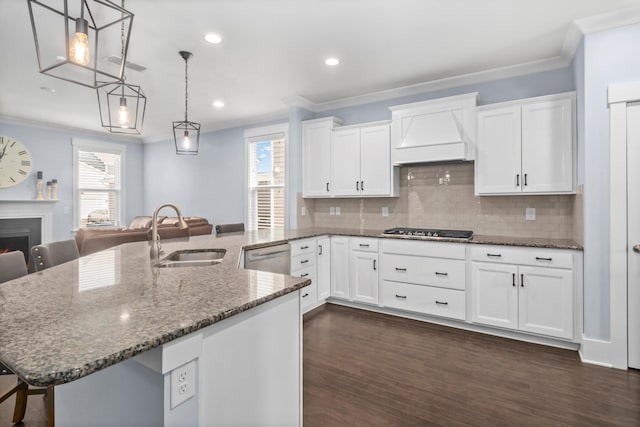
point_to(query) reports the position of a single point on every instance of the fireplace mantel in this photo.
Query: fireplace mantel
(31, 209)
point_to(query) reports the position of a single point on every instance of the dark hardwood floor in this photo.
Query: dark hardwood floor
(369, 369)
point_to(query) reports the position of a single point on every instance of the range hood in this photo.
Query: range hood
(437, 130)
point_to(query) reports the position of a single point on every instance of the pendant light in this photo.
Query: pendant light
(122, 105)
(186, 134)
(80, 54)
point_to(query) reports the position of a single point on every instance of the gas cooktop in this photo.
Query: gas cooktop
(430, 233)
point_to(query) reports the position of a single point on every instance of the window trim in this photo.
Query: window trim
(266, 131)
(81, 144)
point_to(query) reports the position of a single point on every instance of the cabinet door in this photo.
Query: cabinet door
(375, 161)
(364, 276)
(494, 294)
(340, 267)
(345, 165)
(546, 301)
(316, 158)
(498, 166)
(547, 146)
(324, 268)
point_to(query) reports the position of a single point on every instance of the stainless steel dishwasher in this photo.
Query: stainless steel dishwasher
(273, 258)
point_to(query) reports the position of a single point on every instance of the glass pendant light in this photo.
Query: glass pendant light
(186, 134)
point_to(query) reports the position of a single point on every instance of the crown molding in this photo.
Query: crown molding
(19, 121)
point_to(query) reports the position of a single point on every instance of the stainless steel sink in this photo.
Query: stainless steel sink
(193, 258)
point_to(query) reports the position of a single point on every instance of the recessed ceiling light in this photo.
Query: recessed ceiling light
(48, 89)
(332, 61)
(213, 38)
(218, 104)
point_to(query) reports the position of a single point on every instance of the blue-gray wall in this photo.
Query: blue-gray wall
(52, 154)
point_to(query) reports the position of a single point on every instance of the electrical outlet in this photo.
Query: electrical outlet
(337, 210)
(385, 211)
(332, 210)
(530, 214)
(183, 382)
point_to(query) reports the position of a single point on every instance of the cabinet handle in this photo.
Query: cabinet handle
(320, 250)
(304, 275)
(304, 261)
(441, 302)
(494, 255)
(304, 247)
(327, 186)
(513, 280)
(401, 296)
(517, 180)
(441, 274)
(543, 259)
(364, 245)
(305, 295)
(522, 280)
(374, 264)
(400, 269)
(525, 179)
(362, 185)
(357, 185)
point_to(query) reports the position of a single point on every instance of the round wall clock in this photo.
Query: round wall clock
(15, 162)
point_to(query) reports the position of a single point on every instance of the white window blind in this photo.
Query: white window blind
(266, 204)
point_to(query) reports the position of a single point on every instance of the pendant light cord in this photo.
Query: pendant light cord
(186, 88)
(122, 45)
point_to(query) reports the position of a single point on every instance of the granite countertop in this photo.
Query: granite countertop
(71, 320)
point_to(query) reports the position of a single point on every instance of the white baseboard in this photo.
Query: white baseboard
(596, 352)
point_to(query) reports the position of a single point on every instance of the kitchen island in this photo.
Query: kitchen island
(110, 330)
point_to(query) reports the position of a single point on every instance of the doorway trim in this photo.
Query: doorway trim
(619, 96)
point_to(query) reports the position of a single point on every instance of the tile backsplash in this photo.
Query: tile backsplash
(441, 196)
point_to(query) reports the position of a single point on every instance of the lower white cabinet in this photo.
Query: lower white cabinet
(303, 264)
(323, 268)
(364, 273)
(340, 267)
(423, 299)
(528, 298)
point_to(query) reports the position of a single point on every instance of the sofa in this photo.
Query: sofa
(92, 240)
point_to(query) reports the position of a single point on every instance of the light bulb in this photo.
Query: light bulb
(123, 113)
(79, 44)
(186, 141)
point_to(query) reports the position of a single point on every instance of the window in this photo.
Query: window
(98, 183)
(266, 154)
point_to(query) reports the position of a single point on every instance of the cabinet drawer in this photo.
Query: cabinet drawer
(424, 299)
(302, 261)
(299, 247)
(308, 296)
(430, 249)
(539, 257)
(445, 273)
(364, 244)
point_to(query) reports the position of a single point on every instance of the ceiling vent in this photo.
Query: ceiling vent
(130, 65)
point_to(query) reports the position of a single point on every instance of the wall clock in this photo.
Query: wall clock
(15, 162)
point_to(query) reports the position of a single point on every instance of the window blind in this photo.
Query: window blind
(266, 204)
(99, 188)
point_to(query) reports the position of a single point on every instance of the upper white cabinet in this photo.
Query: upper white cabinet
(349, 161)
(361, 161)
(527, 146)
(433, 131)
(316, 156)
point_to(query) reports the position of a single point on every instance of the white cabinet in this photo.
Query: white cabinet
(340, 267)
(527, 146)
(531, 290)
(316, 156)
(363, 264)
(323, 268)
(303, 264)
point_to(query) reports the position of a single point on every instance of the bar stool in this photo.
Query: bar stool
(13, 266)
(48, 255)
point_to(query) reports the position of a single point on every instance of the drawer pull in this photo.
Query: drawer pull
(543, 259)
(441, 302)
(513, 279)
(441, 274)
(305, 295)
(400, 269)
(494, 255)
(304, 247)
(522, 280)
(320, 247)
(304, 275)
(304, 261)
(364, 245)
(401, 296)
(374, 265)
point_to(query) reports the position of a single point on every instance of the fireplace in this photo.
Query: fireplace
(20, 234)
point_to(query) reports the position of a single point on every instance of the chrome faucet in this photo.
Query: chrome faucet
(155, 238)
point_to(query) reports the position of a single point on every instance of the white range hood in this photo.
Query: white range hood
(437, 130)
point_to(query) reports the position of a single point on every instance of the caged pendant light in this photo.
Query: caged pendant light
(75, 38)
(186, 134)
(122, 105)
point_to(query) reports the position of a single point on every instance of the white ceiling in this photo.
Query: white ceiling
(274, 50)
